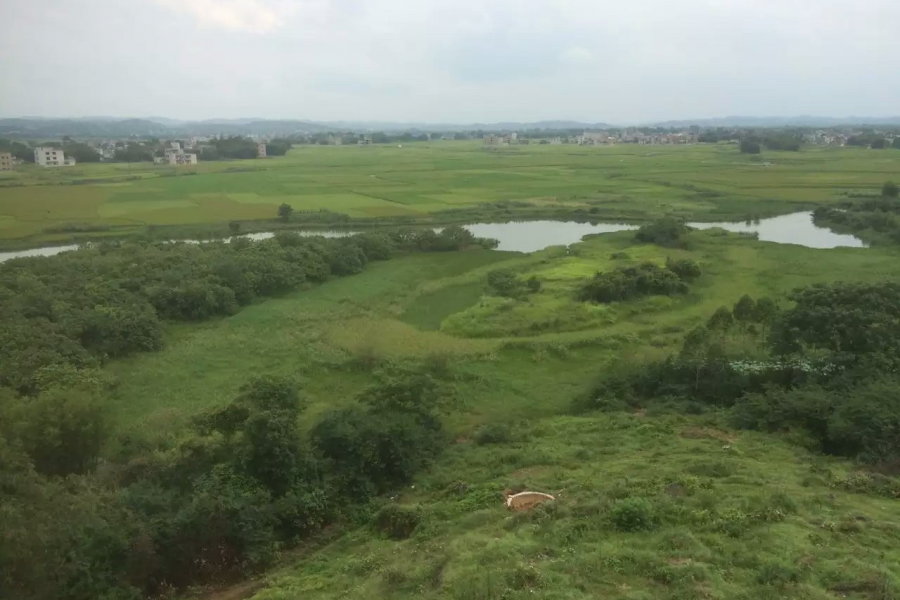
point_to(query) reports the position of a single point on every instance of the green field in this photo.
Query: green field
(420, 181)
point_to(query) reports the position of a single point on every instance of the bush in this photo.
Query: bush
(777, 574)
(493, 433)
(890, 189)
(686, 269)
(749, 147)
(664, 232)
(633, 514)
(632, 282)
(397, 522)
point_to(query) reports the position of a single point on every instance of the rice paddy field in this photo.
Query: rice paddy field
(425, 182)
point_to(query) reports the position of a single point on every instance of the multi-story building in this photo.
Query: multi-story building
(176, 156)
(6, 161)
(46, 156)
(261, 151)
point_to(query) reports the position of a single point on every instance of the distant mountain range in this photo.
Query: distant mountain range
(800, 121)
(108, 127)
(114, 127)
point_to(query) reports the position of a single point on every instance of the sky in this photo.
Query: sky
(450, 61)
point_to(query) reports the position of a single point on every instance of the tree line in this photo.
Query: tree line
(62, 317)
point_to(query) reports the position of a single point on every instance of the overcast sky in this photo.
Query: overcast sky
(619, 61)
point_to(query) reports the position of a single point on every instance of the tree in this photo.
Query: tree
(878, 144)
(745, 310)
(663, 232)
(721, 320)
(686, 269)
(278, 147)
(82, 153)
(380, 138)
(134, 152)
(896, 143)
(62, 431)
(766, 311)
(890, 190)
(504, 283)
(285, 211)
(749, 147)
(234, 227)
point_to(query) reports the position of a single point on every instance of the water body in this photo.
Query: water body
(795, 228)
(531, 236)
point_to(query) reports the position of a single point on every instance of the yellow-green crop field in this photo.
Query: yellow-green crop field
(419, 181)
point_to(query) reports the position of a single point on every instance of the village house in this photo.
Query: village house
(45, 156)
(6, 161)
(174, 155)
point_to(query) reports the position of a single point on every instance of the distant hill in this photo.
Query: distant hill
(103, 127)
(56, 128)
(799, 121)
(113, 127)
(501, 126)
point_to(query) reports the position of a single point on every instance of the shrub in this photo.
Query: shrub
(777, 574)
(664, 232)
(632, 282)
(397, 522)
(686, 269)
(633, 514)
(493, 433)
(749, 147)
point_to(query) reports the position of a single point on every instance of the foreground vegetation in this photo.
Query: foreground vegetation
(709, 424)
(443, 181)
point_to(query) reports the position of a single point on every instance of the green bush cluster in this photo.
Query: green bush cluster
(669, 232)
(220, 502)
(626, 283)
(829, 369)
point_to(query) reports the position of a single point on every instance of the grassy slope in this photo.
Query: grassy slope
(735, 515)
(421, 179)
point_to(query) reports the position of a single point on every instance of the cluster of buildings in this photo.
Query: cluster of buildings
(174, 155)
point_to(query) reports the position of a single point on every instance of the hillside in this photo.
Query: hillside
(648, 506)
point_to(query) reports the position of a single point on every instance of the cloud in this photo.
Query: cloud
(577, 55)
(253, 16)
(620, 61)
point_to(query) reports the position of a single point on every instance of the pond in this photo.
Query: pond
(531, 236)
(795, 228)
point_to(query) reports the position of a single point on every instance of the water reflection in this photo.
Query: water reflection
(531, 236)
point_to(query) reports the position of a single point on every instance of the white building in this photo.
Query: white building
(175, 156)
(45, 156)
(6, 161)
(260, 151)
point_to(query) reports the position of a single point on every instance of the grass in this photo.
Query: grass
(647, 507)
(429, 182)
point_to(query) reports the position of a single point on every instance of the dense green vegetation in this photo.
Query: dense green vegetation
(874, 218)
